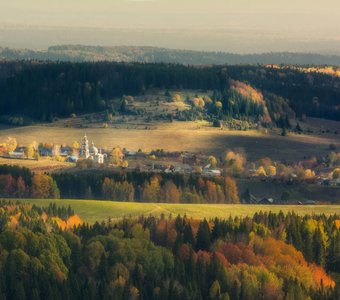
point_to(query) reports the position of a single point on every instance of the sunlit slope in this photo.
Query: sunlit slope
(91, 211)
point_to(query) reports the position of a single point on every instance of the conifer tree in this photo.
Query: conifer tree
(203, 236)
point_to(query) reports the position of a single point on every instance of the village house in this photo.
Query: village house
(266, 200)
(16, 154)
(211, 173)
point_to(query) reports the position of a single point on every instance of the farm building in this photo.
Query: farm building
(266, 201)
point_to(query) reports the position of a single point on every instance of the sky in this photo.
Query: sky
(297, 21)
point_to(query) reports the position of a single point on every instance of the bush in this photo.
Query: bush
(217, 123)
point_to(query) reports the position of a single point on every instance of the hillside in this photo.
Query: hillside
(80, 53)
(45, 90)
(92, 211)
(50, 253)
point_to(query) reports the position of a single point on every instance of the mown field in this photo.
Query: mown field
(182, 136)
(41, 165)
(92, 211)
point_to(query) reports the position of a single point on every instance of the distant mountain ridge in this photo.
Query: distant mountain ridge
(79, 53)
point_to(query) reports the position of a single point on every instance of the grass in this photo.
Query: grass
(182, 136)
(42, 165)
(92, 211)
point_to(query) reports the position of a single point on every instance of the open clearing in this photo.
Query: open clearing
(41, 165)
(182, 136)
(92, 211)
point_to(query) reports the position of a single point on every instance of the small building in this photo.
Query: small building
(211, 173)
(73, 159)
(16, 154)
(266, 201)
(100, 157)
(131, 153)
(208, 166)
(310, 202)
(167, 171)
(45, 152)
(249, 198)
(178, 170)
(65, 151)
(334, 182)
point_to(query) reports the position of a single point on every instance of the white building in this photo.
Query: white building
(211, 173)
(91, 152)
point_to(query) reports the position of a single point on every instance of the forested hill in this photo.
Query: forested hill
(78, 53)
(49, 253)
(44, 90)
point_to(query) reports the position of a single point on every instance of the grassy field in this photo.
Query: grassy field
(91, 211)
(182, 136)
(42, 165)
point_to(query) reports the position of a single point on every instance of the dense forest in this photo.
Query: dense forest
(49, 253)
(44, 90)
(312, 94)
(59, 89)
(81, 53)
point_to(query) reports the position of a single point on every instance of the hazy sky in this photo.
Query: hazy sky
(224, 14)
(295, 19)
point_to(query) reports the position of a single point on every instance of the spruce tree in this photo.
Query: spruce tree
(203, 236)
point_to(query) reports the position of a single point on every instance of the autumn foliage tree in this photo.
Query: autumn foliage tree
(44, 186)
(234, 163)
(117, 156)
(231, 191)
(30, 151)
(170, 193)
(50, 253)
(151, 190)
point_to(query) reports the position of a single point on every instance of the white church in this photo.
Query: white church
(91, 152)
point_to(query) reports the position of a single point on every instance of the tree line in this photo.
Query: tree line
(145, 187)
(20, 182)
(125, 186)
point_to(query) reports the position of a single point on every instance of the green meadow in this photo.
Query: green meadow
(91, 210)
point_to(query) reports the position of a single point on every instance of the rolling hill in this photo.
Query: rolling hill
(82, 53)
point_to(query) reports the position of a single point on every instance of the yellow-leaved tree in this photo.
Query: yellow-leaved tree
(11, 144)
(261, 172)
(231, 190)
(234, 163)
(125, 164)
(271, 171)
(117, 156)
(30, 151)
(177, 98)
(212, 161)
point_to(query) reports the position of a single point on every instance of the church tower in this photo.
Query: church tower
(85, 152)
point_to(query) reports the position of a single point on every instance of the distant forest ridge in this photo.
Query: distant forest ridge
(80, 53)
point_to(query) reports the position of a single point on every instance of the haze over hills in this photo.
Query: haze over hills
(81, 53)
(234, 40)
